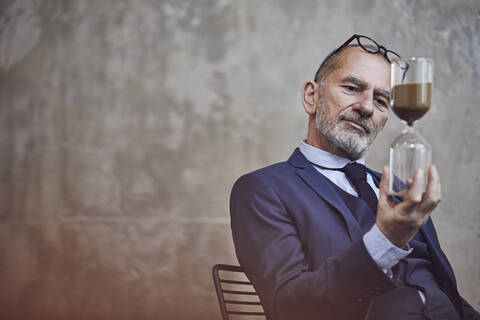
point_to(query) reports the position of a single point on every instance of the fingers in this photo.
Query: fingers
(423, 203)
(434, 190)
(433, 195)
(416, 189)
(414, 194)
(384, 185)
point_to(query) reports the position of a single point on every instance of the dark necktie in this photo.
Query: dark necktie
(357, 174)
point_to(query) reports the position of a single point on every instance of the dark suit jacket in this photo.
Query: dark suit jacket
(302, 248)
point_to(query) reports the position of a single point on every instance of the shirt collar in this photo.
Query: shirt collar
(323, 158)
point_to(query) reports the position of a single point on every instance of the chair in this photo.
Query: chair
(236, 294)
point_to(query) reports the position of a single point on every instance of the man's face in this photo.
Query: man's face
(354, 102)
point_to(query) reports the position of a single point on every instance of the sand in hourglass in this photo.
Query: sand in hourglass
(412, 100)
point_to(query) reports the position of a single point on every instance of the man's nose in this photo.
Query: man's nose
(364, 105)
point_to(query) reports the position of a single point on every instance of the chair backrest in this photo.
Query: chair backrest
(236, 294)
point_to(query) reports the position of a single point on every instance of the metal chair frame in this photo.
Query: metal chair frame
(223, 302)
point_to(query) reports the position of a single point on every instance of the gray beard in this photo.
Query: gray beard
(353, 142)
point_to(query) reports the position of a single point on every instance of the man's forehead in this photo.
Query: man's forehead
(370, 68)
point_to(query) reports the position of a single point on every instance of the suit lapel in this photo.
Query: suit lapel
(323, 188)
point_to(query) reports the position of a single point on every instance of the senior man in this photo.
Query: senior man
(320, 236)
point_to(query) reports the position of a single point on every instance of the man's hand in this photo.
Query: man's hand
(399, 222)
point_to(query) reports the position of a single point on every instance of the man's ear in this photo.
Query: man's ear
(310, 96)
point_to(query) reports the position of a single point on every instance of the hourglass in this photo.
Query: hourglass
(411, 98)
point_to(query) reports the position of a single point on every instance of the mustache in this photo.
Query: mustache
(359, 119)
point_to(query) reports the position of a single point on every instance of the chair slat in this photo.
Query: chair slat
(246, 313)
(250, 303)
(247, 293)
(235, 281)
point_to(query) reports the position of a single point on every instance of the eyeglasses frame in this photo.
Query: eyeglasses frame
(380, 48)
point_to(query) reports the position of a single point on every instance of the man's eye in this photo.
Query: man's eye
(382, 102)
(351, 88)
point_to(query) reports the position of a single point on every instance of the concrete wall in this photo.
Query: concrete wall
(123, 125)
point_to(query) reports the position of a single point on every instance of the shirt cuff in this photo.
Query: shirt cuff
(385, 254)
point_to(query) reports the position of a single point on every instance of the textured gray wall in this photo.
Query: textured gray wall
(123, 125)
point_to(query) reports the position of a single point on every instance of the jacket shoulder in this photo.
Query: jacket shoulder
(273, 173)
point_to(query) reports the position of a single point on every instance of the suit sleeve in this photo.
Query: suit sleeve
(269, 248)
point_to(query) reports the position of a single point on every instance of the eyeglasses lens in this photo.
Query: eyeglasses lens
(368, 44)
